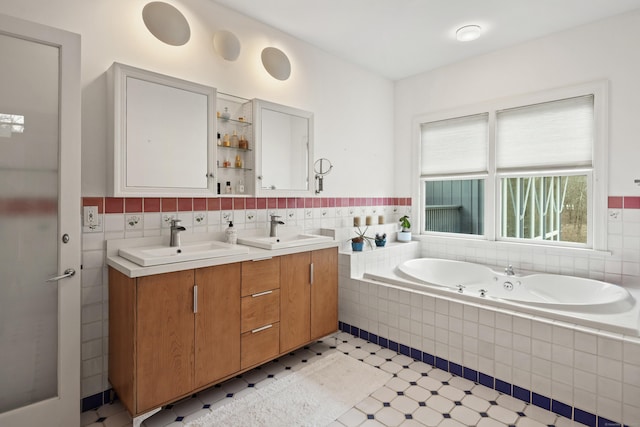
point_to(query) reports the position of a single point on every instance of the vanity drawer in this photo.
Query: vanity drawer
(260, 309)
(260, 276)
(259, 345)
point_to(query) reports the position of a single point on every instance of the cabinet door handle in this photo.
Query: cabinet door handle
(259, 294)
(262, 259)
(311, 273)
(195, 298)
(260, 329)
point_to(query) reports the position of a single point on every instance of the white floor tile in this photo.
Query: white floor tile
(502, 414)
(384, 394)
(427, 416)
(476, 403)
(465, 415)
(417, 393)
(369, 405)
(404, 404)
(397, 384)
(429, 383)
(353, 417)
(440, 404)
(451, 393)
(390, 417)
(416, 396)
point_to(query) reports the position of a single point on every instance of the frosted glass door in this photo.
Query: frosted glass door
(29, 221)
(39, 190)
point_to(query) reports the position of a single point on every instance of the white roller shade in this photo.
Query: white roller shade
(454, 145)
(553, 134)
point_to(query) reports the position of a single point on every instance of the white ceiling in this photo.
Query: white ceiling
(400, 38)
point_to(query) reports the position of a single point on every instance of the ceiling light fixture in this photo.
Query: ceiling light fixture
(468, 33)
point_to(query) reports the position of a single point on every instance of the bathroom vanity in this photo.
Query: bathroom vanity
(175, 329)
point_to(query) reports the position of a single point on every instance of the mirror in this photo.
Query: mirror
(162, 134)
(284, 149)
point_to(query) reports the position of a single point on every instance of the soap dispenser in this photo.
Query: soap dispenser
(231, 234)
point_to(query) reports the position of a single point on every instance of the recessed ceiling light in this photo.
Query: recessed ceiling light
(468, 33)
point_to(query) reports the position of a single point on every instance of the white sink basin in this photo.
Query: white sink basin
(157, 255)
(283, 242)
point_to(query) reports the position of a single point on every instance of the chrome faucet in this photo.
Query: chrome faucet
(176, 228)
(274, 226)
(509, 271)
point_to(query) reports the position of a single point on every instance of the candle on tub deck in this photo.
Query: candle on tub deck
(368, 220)
(380, 219)
(356, 221)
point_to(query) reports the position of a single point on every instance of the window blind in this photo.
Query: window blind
(454, 145)
(552, 134)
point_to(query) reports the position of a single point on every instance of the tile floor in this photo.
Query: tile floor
(417, 395)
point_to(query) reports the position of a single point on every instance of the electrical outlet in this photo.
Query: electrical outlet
(90, 219)
(90, 215)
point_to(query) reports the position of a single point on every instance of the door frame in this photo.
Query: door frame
(64, 409)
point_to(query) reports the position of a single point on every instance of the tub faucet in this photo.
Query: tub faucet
(509, 271)
(176, 228)
(274, 226)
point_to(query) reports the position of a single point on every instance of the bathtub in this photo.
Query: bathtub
(582, 301)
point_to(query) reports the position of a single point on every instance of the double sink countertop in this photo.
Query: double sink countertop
(200, 250)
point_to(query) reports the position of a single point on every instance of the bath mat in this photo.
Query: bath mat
(313, 396)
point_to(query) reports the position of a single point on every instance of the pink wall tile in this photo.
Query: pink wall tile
(614, 202)
(213, 204)
(251, 203)
(169, 204)
(238, 203)
(632, 202)
(261, 202)
(226, 203)
(151, 204)
(200, 204)
(185, 204)
(114, 205)
(133, 204)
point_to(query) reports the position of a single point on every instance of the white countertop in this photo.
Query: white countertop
(132, 269)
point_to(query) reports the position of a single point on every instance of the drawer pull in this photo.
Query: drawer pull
(311, 274)
(259, 294)
(262, 259)
(195, 298)
(260, 329)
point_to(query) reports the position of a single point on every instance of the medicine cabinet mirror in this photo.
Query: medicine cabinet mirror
(284, 149)
(162, 133)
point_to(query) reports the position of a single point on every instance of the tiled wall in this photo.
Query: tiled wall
(573, 370)
(141, 217)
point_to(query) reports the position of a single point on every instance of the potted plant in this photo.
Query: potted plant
(357, 243)
(405, 234)
(381, 239)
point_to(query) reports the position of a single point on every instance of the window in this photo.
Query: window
(518, 170)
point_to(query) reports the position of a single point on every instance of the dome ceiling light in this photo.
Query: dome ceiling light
(468, 33)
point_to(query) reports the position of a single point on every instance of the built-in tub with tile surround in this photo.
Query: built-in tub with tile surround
(583, 366)
(578, 300)
(552, 291)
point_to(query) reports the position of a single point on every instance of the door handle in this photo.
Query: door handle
(67, 273)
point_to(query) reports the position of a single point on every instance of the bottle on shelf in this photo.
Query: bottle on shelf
(225, 140)
(243, 143)
(238, 161)
(240, 187)
(234, 139)
(227, 188)
(219, 140)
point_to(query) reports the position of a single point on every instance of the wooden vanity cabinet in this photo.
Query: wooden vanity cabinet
(217, 346)
(260, 323)
(168, 337)
(308, 297)
(173, 334)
